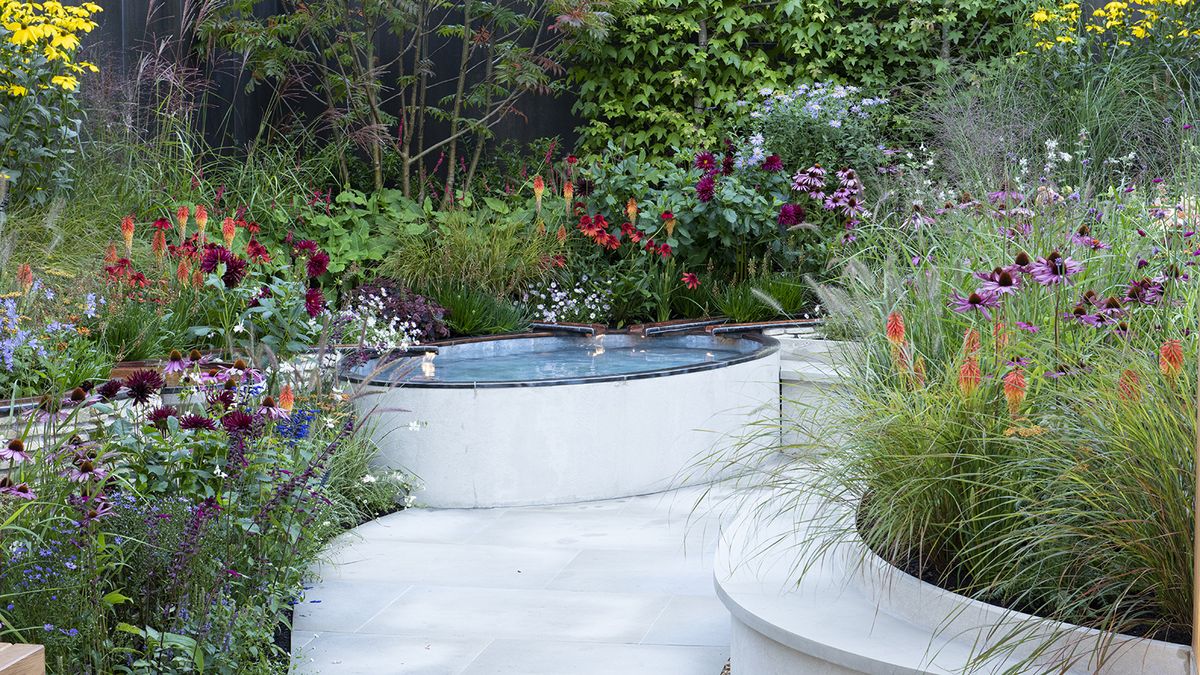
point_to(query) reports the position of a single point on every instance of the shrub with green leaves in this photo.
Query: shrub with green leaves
(670, 72)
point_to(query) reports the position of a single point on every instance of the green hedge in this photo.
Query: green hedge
(671, 71)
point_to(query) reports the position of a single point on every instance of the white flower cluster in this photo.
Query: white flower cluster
(364, 322)
(586, 302)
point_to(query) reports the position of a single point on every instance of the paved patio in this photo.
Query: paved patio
(621, 586)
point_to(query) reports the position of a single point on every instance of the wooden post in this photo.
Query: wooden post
(22, 659)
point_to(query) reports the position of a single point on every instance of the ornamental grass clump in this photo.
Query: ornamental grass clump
(1040, 457)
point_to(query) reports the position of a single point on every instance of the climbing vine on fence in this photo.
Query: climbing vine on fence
(670, 72)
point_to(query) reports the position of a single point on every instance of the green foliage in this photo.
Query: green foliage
(472, 311)
(495, 248)
(671, 71)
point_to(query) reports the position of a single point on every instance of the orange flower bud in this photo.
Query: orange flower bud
(969, 376)
(1129, 386)
(569, 195)
(1014, 390)
(562, 233)
(159, 244)
(287, 399)
(201, 220)
(631, 210)
(539, 187)
(127, 233)
(228, 231)
(25, 276)
(110, 253)
(1170, 358)
(183, 273)
(895, 328)
(181, 216)
(999, 336)
(971, 342)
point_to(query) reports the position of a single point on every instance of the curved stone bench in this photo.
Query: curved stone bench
(854, 613)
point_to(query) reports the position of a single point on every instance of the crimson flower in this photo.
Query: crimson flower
(317, 264)
(690, 280)
(314, 302)
(773, 163)
(256, 252)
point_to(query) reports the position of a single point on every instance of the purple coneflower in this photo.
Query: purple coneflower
(17, 490)
(84, 469)
(1027, 327)
(175, 363)
(1055, 269)
(1144, 292)
(270, 410)
(1002, 283)
(981, 301)
(14, 452)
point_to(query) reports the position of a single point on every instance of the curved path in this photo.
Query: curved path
(621, 586)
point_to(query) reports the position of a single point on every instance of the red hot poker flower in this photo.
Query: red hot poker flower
(969, 376)
(1170, 358)
(895, 328)
(1014, 390)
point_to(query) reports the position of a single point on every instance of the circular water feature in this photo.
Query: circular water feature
(559, 360)
(550, 420)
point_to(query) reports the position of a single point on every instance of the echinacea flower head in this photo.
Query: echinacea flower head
(16, 490)
(14, 452)
(271, 410)
(1022, 262)
(1055, 269)
(1002, 282)
(84, 469)
(1170, 358)
(981, 301)
(127, 228)
(969, 376)
(1014, 390)
(690, 280)
(175, 363)
(143, 385)
(1144, 292)
(894, 328)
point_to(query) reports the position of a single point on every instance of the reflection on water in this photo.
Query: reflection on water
(561, 359)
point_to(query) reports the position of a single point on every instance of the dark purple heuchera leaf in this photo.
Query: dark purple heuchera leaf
(399, 302)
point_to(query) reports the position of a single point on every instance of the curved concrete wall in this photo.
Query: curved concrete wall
(526, 445)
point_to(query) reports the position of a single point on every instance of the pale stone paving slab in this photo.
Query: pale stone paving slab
(600, 587)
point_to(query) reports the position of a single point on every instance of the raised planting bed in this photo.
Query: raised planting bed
(852, 612)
